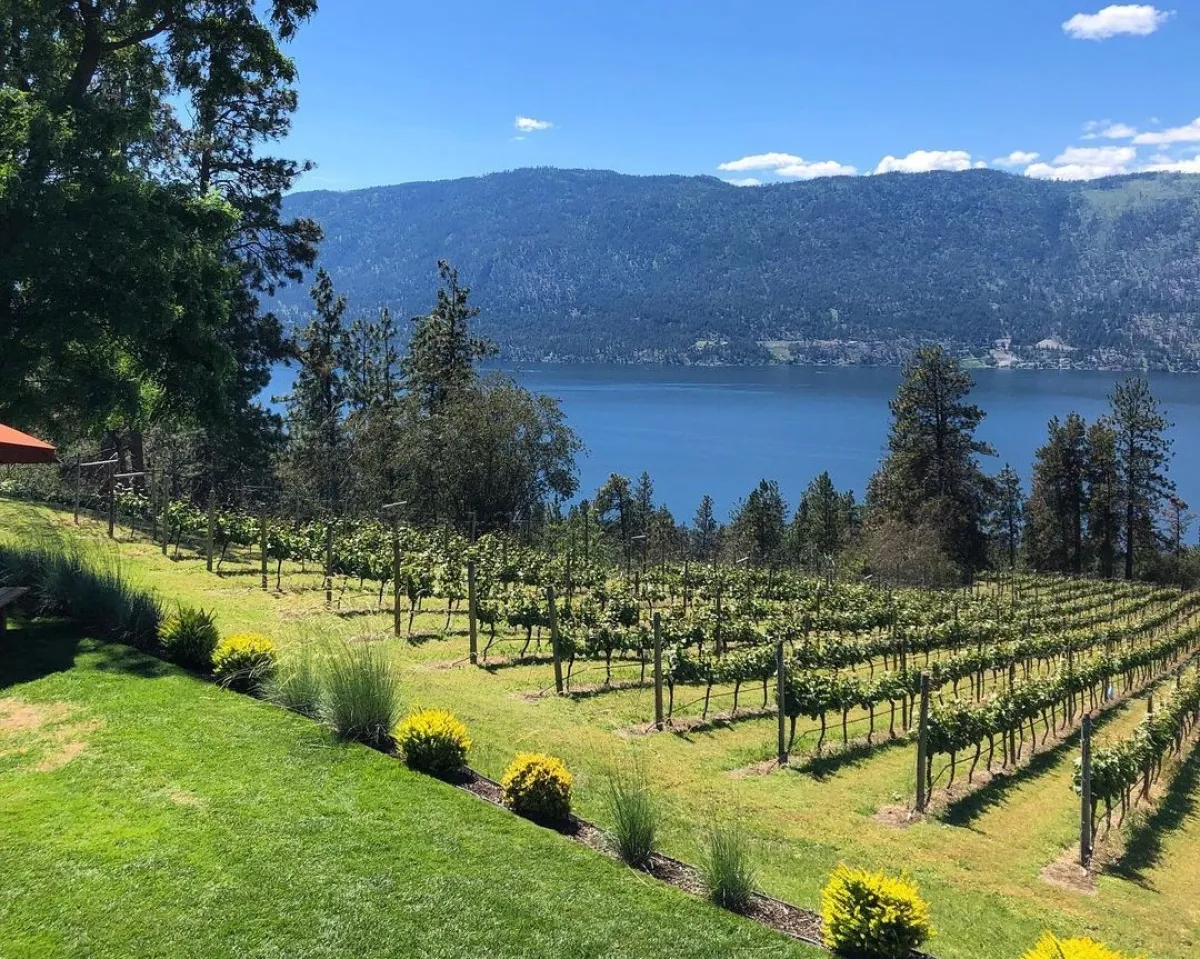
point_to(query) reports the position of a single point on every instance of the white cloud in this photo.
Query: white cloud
(530, 125)
(745, 181)
(1017, 158)
(761, 161)
(810, 170)
(1085, 163)
(1135, 19)
(788, 165)
(1162, 164)
(1118, 131)
(1189, 133)
(924, 161)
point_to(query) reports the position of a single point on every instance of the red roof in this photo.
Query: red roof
(18, 447)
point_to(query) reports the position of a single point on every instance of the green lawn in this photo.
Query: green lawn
(147, 813)
(979, 865)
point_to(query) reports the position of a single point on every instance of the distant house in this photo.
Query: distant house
(1054, 343)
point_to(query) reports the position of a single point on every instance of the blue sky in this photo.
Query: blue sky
(393, 92)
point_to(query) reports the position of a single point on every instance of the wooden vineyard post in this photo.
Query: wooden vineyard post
(658, 676)
(212, 527)
(262, 544)
(473, 628)
(923, 747)
(1085, 793)
(558, 676)
(112, 504)
(78, 485)
(1012, 733)
(781, 702)
(396, 578)
(329, 564)
(165, 507)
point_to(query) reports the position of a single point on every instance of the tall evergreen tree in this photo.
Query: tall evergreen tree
(1103, 496)
(705, 529)
(1143, 452)
(930, 476)
(758, 525)
(823, 522)
(1009, 514)
(1057, 501)
(1178, 519)
(315, 466)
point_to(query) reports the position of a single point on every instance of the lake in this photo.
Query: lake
(720, 430)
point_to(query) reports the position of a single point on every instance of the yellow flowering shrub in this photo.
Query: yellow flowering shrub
(433, 741)
(244, 660)
(1051, 947)
(872, 915)
(537, 787)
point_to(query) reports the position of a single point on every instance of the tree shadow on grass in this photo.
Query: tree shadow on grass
(115, 658)
(825, 766)
(31, 650)
(964, 811)
(1179, 804)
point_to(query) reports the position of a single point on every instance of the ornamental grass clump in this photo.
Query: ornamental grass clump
(537, 787)
(361, 694)
(244, 661)
(1051, 947)
(726, 868)
(634, 814)
(433, 741)
(297, 684)
(870, 915)
(189, 637)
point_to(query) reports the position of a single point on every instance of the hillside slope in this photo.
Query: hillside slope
(598, 265)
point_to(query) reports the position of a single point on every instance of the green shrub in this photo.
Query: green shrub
(725, 865)
(244, 661)
(91, 591)
(538, 787)
(433, 741)
(1051, 947)
(189, 637)
(296, 684)
(635, 817)
(873, 915)
(361, 694)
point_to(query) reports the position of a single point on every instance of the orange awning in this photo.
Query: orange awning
(18, 447)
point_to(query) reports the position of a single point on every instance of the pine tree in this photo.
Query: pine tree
(1143, 451)
(705, 530)
(823, 522)
(1057, 501)
(315, 468)
(1009, 513)
(1103, 496)
(758, 525)
(930, 477)
(442, 353)
(1178, 519)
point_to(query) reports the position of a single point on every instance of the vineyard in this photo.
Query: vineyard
(1012, 665)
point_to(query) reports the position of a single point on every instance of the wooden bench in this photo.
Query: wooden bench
(8, 596)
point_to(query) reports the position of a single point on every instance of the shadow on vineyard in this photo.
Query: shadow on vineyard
(964, 811)
(857, 754)
(1179, 803)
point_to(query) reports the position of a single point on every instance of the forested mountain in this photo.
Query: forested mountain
(581, 264)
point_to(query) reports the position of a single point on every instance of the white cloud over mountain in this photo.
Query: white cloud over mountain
(1017, 158)
(1085, 163)
(925, 161)
(530, 125)
(788, 165)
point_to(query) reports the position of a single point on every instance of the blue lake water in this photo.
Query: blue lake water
(719, 431)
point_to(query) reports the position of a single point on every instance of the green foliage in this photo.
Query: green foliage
(244, 661)
(361, 694)
(90, 590)
(189, 637)
(433, 741)
(872, 915)
(538, 787)
(887, 261)
(726, 867)
(297, 683)
(634, 814)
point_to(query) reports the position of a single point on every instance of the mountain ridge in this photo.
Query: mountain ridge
(598, 265)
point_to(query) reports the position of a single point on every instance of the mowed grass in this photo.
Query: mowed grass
(147, 813)
(979, 864)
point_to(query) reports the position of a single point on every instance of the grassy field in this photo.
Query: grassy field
(147, 813)
(979, 863)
